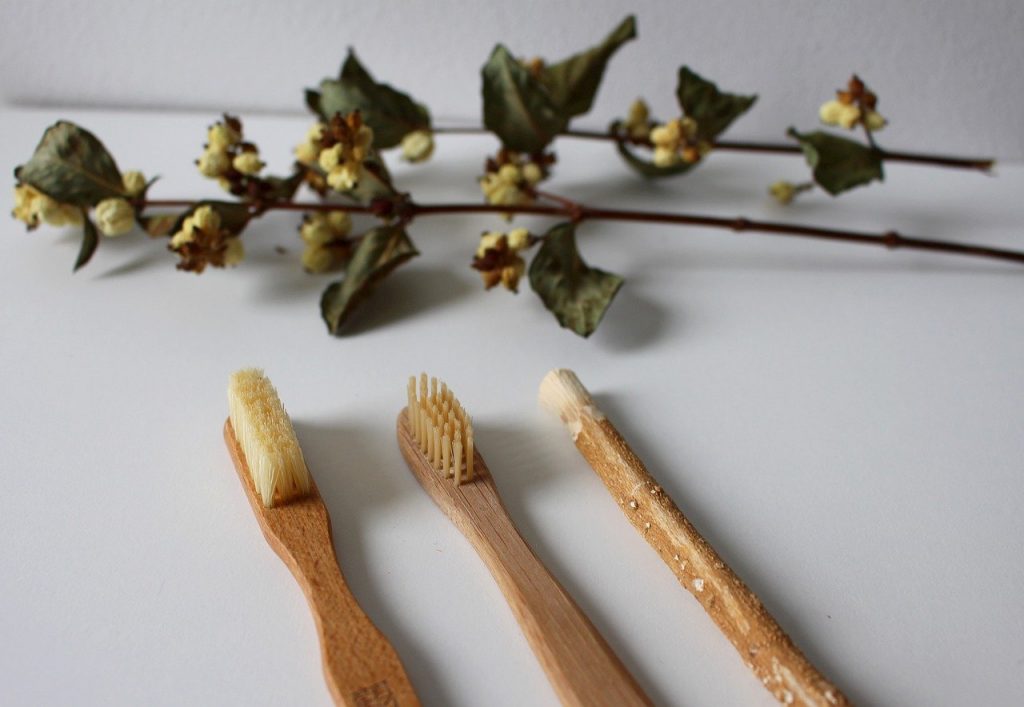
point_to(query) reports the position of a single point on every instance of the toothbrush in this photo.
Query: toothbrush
(737, 611)
(361, 667)
(435, 435)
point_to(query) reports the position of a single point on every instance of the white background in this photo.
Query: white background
(843, 423)
(948, 73)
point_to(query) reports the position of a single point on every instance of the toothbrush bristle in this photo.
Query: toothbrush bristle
(441, 428)
(265, 434)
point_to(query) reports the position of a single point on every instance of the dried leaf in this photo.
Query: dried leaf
(573, 82)
(839, 164)
(380, 251)
(517, 107)
(575, 293)
(713, 110)
(391, 113)
(90, 240)
(72, 166)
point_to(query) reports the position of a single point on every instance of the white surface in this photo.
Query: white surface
(842, 422)
(948, 72)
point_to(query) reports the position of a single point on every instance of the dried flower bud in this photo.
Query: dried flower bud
(316, 231)
(331, 157)
(134, 182)
(214, 163)
(783, 192)
(418, 146)
(873, 121)
(234, 251)
(345, 177)
(221, 136)
(532, 173)
(518, 239)
(317, 259)
(114, 217)
(248, 163)
(497, 258)
(637, 124)
(206, 219)
(340, 223)
(665, 157)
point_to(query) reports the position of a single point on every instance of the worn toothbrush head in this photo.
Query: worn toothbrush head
(442, 428)
(265, 434)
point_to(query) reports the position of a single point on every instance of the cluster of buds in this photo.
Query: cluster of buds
(34, 207)
(202, 241)
(497, 257)
(509, 178)
(325, 235)
(343, 144)
(637, 125)
(227, 158)
(677, 141)
(852, 107)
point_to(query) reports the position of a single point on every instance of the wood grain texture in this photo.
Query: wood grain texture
(581, 666)
(761, 642)
(361, 667)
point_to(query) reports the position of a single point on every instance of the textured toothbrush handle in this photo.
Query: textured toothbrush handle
(360, 665)
(580, 665)
(739, 614)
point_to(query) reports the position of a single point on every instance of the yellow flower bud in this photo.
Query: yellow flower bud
(418, 146)
(783, 192)
(234, 252)
(874, 121)
(667, 135)
(214, 163)
(24, 205)
(114, 217)
(344, 177)
(247, 163)
(665, 157)
(511, 273)
(330, 158)
(134, 182)
(316, 232)
(317, 259)
(55, 213)
(487, 241)
(181, 238)
(518, 238)
(638, 119)
(510, 173)
(532, 173)
(220, 137)
(307, 152)
(340, 223)
(206, 219)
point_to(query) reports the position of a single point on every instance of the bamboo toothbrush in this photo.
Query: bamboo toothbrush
(436, 438)
(762, 643)
(361, 667)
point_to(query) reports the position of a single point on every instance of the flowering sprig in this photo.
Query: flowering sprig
(72, 179)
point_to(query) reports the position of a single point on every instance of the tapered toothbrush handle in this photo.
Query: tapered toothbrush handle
(580, 664)
(361, 667)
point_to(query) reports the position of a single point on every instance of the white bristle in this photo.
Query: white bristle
(562, 393)
(441, 428)
(267, 438)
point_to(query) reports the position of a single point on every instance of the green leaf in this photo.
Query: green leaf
(578, 295)
(839, 164)
(391, 113)
(646, 167)
(517, 107)
(72, 166)
(713, 110)
(234, 215)
(380, 251)
(90, 240)
(573, 82)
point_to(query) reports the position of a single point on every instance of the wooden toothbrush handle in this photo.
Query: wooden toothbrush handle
(739, 614)
(580, 665)
(360, 665)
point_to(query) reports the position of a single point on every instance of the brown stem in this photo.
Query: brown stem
(577, 212)
(977, 163)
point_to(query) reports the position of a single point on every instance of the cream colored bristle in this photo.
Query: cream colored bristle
(267, 438)
(442, 429)
(562, 393)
